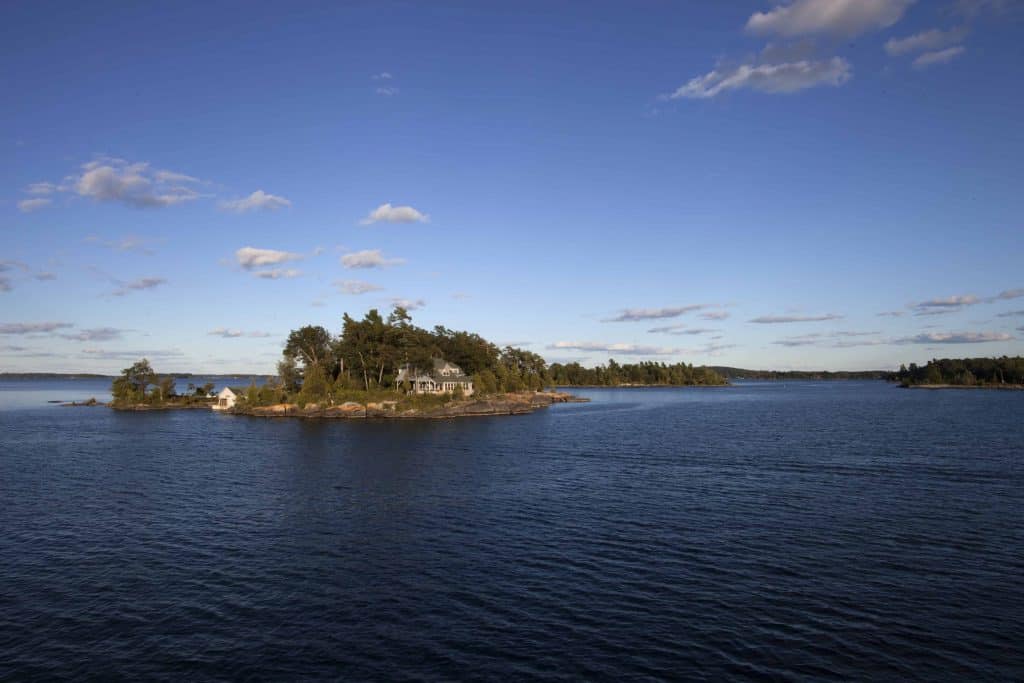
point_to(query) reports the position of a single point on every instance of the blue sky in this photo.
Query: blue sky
(808, 184)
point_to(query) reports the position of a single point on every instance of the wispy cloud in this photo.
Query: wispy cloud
(1010, 314)
(773, 319)
(681, 330)
(386, 213)
(277, 273)
(715, 315)
(95, 334)
(891, 314)
(30, 205)
(234, 334)
(369, 258)
(838, 18)
(382, 76)
(357, 286)
(43, 188)
(955, 338)
(252, 257)
(257, 201)
(623, 349)
(932, 39)
(139, 285)
(129, 243)
(1008, 294)
(636, 314)
(940, 306)
(774, 78)
(107, 354)
(33, 328)
(938, 57)
(387, 91)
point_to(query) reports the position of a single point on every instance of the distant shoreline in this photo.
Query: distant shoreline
(996, 387)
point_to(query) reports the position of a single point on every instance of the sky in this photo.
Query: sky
(814, 184)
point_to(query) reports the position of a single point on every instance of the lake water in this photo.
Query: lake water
(790, 531)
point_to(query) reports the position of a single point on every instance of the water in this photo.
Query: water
(799, 531)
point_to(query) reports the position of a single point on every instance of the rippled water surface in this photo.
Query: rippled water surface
(800, 531)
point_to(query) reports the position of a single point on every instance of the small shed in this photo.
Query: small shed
(225, 399)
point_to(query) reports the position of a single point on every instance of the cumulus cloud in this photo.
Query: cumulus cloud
(138, 285)
(838, 18)
(776, 78)
(251, 257)
(939, 57)
(133, 184)
(369, 258)
(955, 338)
(623, 349)
(386, 213)
(635, 314)
(277, 273)
(772, 319)
(32, 328)
(408, 304)
(30, 205)
(95, 334)
(257, 201)
(357, 286)
(933, 39)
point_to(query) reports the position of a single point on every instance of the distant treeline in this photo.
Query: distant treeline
(51, 375)
(646, 373)
(966, 372)
(740, 373)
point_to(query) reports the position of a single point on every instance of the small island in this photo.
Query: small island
(387, 367)
(963, 373)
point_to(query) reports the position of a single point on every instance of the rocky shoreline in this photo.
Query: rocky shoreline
(509, 404)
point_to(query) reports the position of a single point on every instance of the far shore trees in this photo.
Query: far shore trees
(964, 372)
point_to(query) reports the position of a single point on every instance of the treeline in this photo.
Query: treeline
(741, 373)
(366, 355)
(140, 384)
(645, 373)
(963, 372)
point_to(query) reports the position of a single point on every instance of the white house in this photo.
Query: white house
(444, 378)
(225, 399)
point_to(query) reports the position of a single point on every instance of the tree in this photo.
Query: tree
(133, 382)
(311, 345)
(288, 373)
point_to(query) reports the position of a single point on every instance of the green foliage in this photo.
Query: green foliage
(315, 387)
(963, 372)
(645, 374)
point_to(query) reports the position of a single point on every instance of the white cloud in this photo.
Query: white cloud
(840, 18)
(386, 213)
(382, 76)
(784, 77)
(139, 285)
(369, 258)
(932, 39)
(940, 57)
(771, 319)
(623, 349)
(635, 314)
(234, 334)
(955, 338)
(941, 306)
(387, 91)
(277, 273)
(134, 184)
(251, 257)
(41, 188)
(32, 328)
(95, 334)
(408, 304)
(680, 330)
(30, 205)
(357, 286)
(715, 315)
(257, 201)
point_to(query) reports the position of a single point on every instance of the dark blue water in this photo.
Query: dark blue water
(807, 531)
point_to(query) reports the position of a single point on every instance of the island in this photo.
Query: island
(963, 373)
(387, 367)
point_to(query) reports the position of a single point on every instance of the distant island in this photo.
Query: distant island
(388, 367)
(963, 373)
(740, 373)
